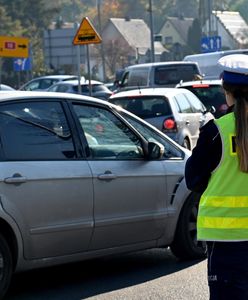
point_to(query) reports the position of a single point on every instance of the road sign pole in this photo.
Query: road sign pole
(89, 71)
(19, 78)
(85, 35)
(76, 25)
(0, 72)
(79, 71)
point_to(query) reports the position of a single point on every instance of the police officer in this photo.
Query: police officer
(218, 169)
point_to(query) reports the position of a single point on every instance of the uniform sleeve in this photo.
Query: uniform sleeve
(204, 159)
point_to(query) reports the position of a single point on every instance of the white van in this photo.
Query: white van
(160, 74)
(208, 61)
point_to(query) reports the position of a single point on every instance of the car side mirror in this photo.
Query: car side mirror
(210, 109)
(155, 150)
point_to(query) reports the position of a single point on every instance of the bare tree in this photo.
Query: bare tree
(116, 54)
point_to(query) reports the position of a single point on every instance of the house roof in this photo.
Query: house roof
(135, 31)
(234, 24)
(137, 34)
(181, 25)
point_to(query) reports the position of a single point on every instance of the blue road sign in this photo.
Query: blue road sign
(22, 64)
(210, 44)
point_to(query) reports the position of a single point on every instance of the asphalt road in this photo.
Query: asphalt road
(152, 274)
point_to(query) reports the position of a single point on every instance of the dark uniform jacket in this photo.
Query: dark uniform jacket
(205, 157)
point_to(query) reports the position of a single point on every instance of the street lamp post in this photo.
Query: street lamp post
(209, 17)
(151, 31)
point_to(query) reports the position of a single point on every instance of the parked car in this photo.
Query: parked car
(5, 87)
(44, 82)
(159, 74)
(210, 92)
(81, 178)
(98, 89)
(176, 112)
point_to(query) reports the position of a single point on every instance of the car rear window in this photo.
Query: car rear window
(145, 106)
(174, 74)
(208, 94)
(94, 87)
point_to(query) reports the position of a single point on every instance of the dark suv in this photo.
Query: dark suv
(159, 74)
(210, 92)
(176, 112)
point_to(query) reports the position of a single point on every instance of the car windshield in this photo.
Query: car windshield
(209, 95)
(174, 74)
(144, 106)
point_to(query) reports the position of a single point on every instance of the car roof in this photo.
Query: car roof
(33, 95)
(149, 91)
(5, 87)
(55, 77)
(167, 63)
(75, 82)
(200, 82)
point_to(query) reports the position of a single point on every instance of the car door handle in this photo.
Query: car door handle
(107, 175)
(16, 178)
(187, 122)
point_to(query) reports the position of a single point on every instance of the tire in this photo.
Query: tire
(185, 244)
(186, 144)
(6, 266)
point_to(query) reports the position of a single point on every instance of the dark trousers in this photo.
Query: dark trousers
(228, 270)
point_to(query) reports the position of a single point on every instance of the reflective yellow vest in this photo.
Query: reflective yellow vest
(223, 209)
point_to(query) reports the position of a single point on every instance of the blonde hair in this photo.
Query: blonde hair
(240, 94)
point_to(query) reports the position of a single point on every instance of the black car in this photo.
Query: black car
(210, 93)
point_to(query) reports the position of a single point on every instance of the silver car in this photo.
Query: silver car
(98, 89)
(176, 112)
(44, 82)
(82, 178)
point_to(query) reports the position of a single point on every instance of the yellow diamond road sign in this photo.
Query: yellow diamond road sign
(86, 34)
(11, 46)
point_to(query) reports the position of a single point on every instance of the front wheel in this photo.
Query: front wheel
(6, 266)
(185, 244)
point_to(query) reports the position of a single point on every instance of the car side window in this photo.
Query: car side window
(183, 104)
(35, 131)
(124, 81)
(107, 136)
(138, 77)
(62, 88)
(34, 85)
(45, 83)
(170, 151)
(195, 103)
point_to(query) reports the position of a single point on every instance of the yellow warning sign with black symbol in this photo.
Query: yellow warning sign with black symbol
(86, 34)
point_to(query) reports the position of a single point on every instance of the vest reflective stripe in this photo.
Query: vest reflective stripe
(222, 222)
(223, 209)
(225, 201)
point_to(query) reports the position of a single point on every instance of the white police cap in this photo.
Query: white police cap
(235, 68)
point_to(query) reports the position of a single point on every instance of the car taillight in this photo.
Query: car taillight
(169, 125)
(200, 85)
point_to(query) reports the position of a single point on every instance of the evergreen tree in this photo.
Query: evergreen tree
(194, 36)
